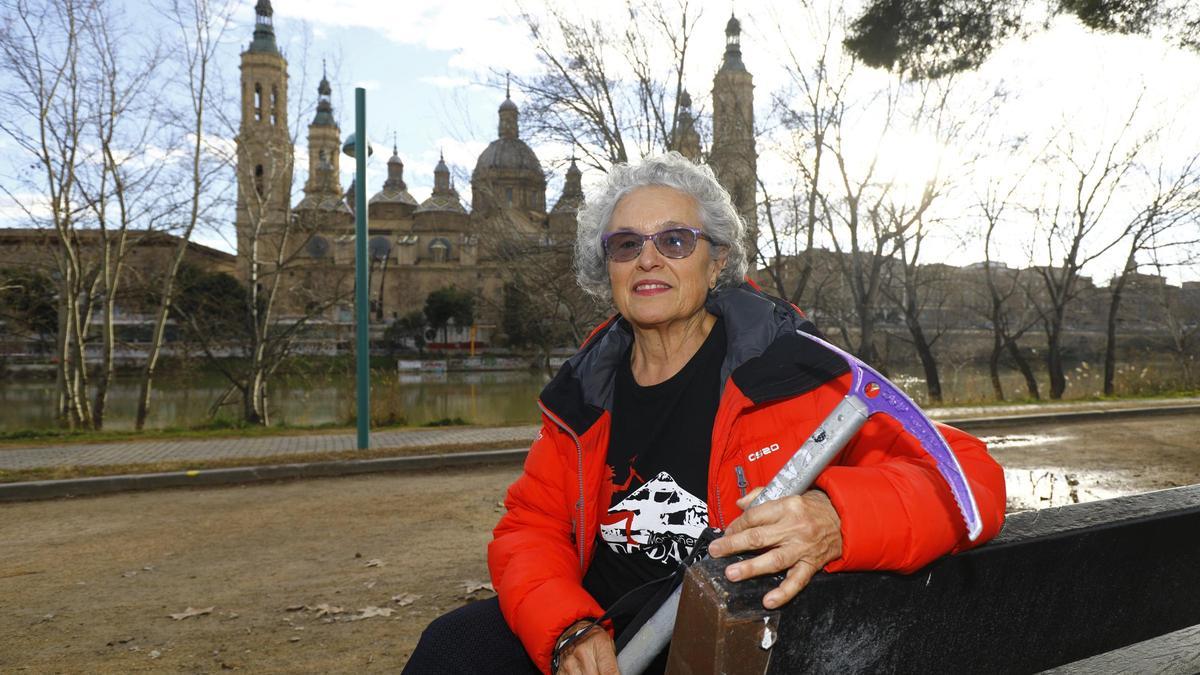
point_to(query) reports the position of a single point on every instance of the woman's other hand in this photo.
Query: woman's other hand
(592, 654)
(799, 534)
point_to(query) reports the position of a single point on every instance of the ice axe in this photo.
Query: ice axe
(870, 394)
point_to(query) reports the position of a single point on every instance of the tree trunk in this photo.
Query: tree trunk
(1031, 384)
(933, 383)
(994, 366)
(107, 363)
(1054, 364)
(1110, 341)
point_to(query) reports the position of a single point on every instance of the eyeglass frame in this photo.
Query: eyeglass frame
(697, 232)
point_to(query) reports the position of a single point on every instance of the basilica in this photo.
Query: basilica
(416, 247)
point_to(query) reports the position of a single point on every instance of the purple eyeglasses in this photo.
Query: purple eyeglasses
(676, 242)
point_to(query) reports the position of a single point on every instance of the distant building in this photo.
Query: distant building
(416, 248)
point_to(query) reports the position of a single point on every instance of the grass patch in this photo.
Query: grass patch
(71, 471)
(220, 428)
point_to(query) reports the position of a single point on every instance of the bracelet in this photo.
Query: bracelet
(568, 640)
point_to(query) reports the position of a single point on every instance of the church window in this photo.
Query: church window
(258, 103)
(508, 193)
(439, 249)
(258, 180)
(274, 105)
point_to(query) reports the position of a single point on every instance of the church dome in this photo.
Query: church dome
(511, 154)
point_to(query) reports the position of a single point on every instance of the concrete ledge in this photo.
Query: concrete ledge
(78, 487)
(1067, 416)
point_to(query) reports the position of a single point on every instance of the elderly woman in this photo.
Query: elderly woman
(665, 422)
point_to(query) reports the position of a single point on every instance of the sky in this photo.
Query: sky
(433, 73)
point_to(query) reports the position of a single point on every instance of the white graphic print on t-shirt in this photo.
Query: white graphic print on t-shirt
(660, 520)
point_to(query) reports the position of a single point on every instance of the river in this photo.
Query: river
(505, 397)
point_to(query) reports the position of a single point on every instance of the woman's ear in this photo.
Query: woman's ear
(718, 265)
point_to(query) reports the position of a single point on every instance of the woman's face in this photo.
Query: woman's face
(653, 290)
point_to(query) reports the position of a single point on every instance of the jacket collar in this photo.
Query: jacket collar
(764, 357)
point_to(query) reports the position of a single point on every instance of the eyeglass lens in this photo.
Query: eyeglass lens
(673, 243)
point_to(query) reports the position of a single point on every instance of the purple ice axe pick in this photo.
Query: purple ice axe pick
(870, 393)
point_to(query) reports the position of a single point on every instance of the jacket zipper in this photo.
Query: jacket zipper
(579, 464)
(741, 479)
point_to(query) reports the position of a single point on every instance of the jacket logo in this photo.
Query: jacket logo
(763, 452)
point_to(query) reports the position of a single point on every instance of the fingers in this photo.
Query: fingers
(798, 535)
(797, 578)
(594, 654)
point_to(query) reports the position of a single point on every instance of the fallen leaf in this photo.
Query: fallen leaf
(295, 638)
(326, 609)
(374, 562)
(154, 654)
(372, 611)
(148, 568)
(405, 599)
(190, 612)
(369, 584)
(476, 586)
(294, 608)
(130, 573)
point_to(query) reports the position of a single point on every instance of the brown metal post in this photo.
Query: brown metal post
(715, 633)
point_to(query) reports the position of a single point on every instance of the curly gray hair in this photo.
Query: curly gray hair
(718, 217)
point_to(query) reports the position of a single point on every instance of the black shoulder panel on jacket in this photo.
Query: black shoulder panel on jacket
(564, 396)
(789, 367)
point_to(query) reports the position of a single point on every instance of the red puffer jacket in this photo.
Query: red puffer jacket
(897, 512)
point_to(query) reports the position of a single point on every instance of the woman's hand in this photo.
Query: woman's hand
(799, 534)
(592, 654)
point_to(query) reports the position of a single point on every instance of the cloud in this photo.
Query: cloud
(446, 82)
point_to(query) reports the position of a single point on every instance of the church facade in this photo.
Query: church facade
(417, 247)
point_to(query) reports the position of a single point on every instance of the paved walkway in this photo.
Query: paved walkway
(153, 451)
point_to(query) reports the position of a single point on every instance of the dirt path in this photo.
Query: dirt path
(87, 585)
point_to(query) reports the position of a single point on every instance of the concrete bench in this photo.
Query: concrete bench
(1073, 586)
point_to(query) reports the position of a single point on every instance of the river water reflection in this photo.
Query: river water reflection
(502, 397)
(508, 397)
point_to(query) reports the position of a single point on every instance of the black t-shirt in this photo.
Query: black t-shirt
(658, 453)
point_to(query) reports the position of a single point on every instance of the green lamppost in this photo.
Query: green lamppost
(357, 147)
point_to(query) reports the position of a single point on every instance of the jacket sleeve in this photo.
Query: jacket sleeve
(532, 557)
(897, 511)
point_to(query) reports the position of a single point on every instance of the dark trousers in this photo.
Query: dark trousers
(474, 638)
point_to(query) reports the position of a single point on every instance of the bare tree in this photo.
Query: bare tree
(41, 47)
(83, 114)
(1009, 319)
(125, 189)
(1174, 201)
(607, 95)
(201, 24)
(1069, 222)
(808, 110)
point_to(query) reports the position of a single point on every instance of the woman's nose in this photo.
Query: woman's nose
(649, 257)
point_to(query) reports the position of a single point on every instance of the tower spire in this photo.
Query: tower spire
(264, 28)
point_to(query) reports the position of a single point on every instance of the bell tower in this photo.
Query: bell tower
(323, 139)
(733, 157)
(264, 148)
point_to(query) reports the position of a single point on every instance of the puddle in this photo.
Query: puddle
(1021, 440)
(1032, 489)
